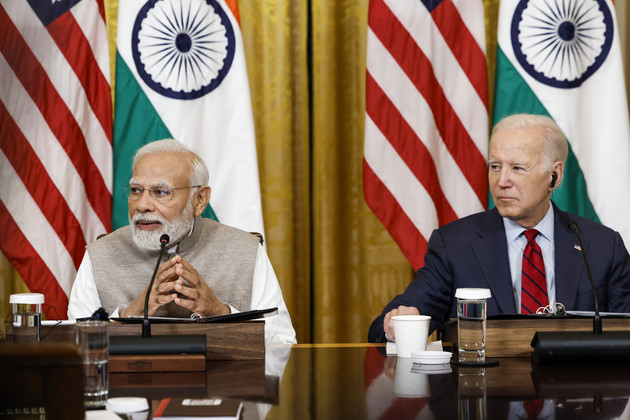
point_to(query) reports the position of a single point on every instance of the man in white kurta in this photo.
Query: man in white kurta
(211, 269)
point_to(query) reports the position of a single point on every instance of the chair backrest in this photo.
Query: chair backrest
(259, 236)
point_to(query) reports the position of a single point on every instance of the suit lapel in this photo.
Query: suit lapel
(491, 252)
(569, 265)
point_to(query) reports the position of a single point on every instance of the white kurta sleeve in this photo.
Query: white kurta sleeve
(84, 300)
(266, 293)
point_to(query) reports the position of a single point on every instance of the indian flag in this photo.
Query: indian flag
(563, 59)
(180, 73)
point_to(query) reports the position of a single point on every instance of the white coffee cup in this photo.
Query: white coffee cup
(411, 333)
(129, 408)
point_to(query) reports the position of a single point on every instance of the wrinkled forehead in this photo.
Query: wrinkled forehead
(517, 144)
(162, 169)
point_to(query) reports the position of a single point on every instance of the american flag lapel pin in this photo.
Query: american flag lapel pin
(579, 248)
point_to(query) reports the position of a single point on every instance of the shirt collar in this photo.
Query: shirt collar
(513, 230)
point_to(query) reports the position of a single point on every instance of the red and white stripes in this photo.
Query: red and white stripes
(55, 140)
(426, 117)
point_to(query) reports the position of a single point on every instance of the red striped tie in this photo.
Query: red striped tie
(533, 408)
(534, 281)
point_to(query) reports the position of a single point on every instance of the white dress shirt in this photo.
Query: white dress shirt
(516, 244)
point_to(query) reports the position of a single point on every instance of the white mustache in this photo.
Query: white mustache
(144, 218)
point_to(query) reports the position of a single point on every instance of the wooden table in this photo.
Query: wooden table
(224, 341)
(357, 381)
(512, 337)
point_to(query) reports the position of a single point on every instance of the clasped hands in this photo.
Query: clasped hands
(177, 281)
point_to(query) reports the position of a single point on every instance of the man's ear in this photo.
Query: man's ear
(557, 174)
(200, 200)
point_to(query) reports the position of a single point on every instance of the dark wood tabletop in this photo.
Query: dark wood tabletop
(357, 381)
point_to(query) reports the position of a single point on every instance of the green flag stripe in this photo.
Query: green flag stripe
(136, 123)
(514, 96)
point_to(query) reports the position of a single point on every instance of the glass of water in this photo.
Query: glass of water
(92, 337)
(26, 311)
(471, 324)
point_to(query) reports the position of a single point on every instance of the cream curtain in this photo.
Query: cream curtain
(336, 264)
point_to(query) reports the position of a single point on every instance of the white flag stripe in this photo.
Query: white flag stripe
(88, 17)
(452, 103)
(54, 158)
(67, 84)
(415, 110)
(602, 140)
(34, 225)
(456, 85)
(399, 180)
(471, 12)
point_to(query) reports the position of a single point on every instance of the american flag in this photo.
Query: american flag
(426, 129)
(55, 139)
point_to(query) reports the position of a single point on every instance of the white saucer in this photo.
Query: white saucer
(431, 357)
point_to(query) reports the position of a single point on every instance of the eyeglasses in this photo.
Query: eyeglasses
(162, 194)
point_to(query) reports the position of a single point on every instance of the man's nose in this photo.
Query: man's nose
(145, 202)
(504, 178)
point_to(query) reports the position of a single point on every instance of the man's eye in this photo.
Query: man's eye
(161, 192)
(135, 190)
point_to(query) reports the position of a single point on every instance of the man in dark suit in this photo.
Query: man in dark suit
(485, 250)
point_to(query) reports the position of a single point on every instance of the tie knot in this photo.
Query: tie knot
(530, 234)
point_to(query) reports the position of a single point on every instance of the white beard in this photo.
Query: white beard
(176, 229)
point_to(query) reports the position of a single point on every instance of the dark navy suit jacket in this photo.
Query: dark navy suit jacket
(472, 252)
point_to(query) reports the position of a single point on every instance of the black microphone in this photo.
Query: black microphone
(146, 324)
(597, 320)
(160, 344)
(551, 347)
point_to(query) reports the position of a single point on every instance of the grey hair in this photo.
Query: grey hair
(198, 169)
(555, 146)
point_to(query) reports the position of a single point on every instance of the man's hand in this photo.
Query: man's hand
(169, 281)
(161, 294)
(388, 324)
(389, 367)
(201, 299)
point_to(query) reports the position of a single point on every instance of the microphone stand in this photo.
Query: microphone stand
(597, 319)
(552, 347)
(161, 344)
(146, 323)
